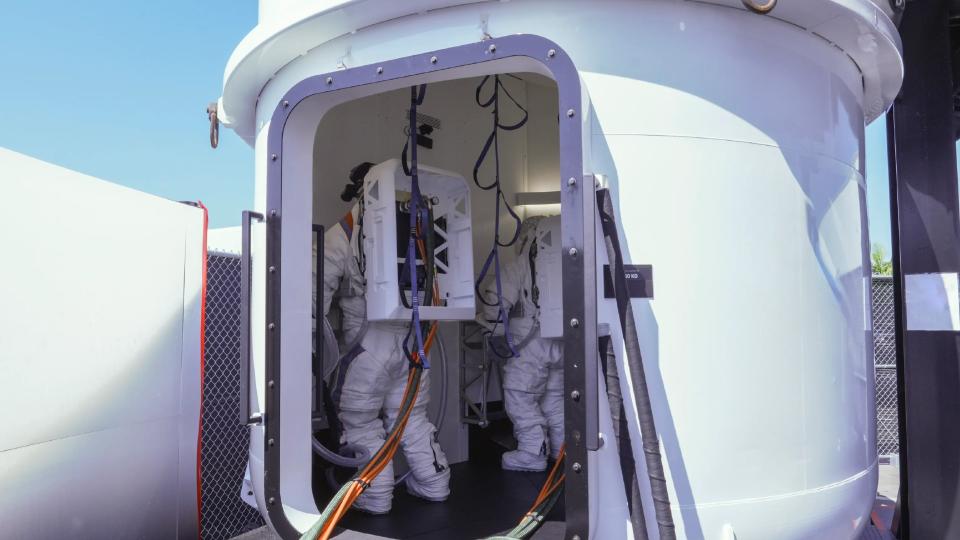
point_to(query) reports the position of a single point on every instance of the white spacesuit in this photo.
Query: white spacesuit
(373, 375)
(532, 381)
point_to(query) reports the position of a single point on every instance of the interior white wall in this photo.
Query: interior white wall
(543, 134)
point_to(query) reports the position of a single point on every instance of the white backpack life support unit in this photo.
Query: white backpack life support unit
(386, 192)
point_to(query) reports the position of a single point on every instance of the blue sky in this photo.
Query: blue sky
(117, 89)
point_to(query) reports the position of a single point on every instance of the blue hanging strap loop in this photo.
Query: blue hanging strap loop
(492, 142)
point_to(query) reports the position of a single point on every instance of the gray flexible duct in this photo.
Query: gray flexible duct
(648, 428)
(438, 423)
(361, 454)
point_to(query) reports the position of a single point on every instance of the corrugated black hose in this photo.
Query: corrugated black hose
(641, 394)
(621, 432)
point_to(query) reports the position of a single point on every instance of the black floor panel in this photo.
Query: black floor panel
(484, 500)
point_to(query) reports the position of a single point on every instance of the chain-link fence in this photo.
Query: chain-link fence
(885, 363)
(225, 441)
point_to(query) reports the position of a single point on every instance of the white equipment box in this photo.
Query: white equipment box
(448, 195)
(549, 277)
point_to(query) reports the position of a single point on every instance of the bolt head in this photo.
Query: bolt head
(272, 500)
(272, 269)
(273, 157)
(492, 48)
(329, 80)
(270, 442)
(577, 467)
(574, 323)
(270, 384)
(380, 70)
(273, 213)
(272, 326)
(573, 252)
(575, 537)
(571, 181)
(286, 104)
(571, 113)
(433, 59)
(575, 395)
(551, 53)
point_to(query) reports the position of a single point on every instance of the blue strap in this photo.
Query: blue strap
(416, 214)
(342, 372)
(503, 317)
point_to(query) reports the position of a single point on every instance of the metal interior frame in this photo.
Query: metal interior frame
(485, 362)
(579, 284)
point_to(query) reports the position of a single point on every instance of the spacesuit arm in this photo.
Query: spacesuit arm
(336, 254)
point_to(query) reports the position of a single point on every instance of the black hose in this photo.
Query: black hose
(648, 428)
(621, 432)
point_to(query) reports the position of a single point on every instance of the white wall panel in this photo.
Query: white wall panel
(99, 354)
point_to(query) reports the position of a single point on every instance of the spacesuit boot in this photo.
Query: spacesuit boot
(531, 452)
(435, 492)
(365, 428)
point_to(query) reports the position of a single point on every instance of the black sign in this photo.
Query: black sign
(639, 280)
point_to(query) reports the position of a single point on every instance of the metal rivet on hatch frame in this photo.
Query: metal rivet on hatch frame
(286, 104)
(380, 70)
(272, 500)
(574, 323)
(575, 395)
(575, 537)
(329, 80)
(571, 113)
(433, 59)
(271, 326)
(273, 157)
(270, 384)
(577, 467)
(270, 442)
(492, 48)
(573, 252)
(571, 181)
(272, 269)
(273, 213)
(551, 53)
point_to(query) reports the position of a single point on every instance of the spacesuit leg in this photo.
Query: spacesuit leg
(524, 382)
(430, 472)
(360, 398)
(552, 401)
